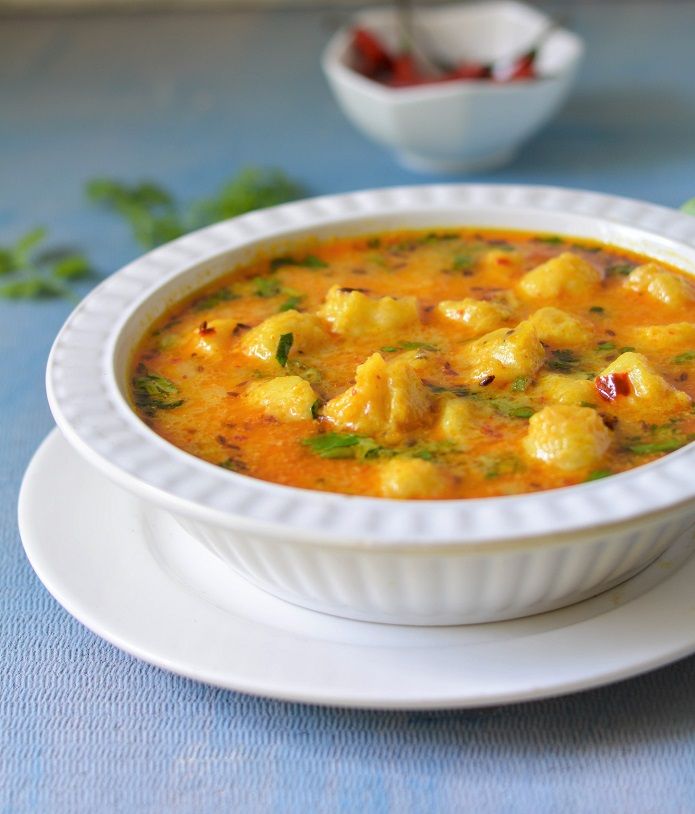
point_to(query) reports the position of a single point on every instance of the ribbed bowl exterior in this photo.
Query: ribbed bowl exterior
(409, 586)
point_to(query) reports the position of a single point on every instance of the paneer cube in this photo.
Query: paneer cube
(560, 329)
(387, 401)
(504, 355)
(498, 260)
(567, 274)
(659, 284)
(287, 398)
(353, 313)
(554, 388)
(569, 438)
(407, 478)
(262, 341)
(648, 393)
(673, 337)
(458, 420)
(473, 317)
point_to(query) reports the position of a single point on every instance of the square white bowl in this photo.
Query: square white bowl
(459, 125)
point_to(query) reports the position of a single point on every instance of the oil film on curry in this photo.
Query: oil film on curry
(451, 363)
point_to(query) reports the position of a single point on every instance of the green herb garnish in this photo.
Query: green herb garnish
(33, 274)
(597, 309)
(552, 240)
(233, 464)
(211, 300)
(266, 286)
(598, 474)
(460, 392)
(563, 360)
(153, 392)
(520, 383)
(283, 351)
(156, 217)
(521, 412)
(684, 358)
(309, 262)
(291, 303)
(658, 446)
(620, 269)
(606, 346)
(333, 444)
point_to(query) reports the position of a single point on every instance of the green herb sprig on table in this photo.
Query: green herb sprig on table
(155, 216)
(30, 271)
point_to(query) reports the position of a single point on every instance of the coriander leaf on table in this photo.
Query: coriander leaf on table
(156, 217)
(253, 188)
(150, 210)
(31, 272)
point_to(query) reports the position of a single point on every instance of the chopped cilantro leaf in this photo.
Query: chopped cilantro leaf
(620, 269)
(310, 262)
(552, 240)
(521, 412)
(211, 300)
(563, 360)
(520, 383)
(266, 286)
(153, 392)
(597, 474)
(606, 346)
(291, 303)
(333, 444)
(284, 345)
(683, 358)
(597, 309)
(658, 446)
(233, 464)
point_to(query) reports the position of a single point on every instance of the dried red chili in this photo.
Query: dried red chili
(613, 385)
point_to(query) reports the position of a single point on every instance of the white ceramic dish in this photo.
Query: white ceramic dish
(128, 572)
(464, 125)
(405, 562)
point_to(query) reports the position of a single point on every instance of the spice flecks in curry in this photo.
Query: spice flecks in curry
(428, 364)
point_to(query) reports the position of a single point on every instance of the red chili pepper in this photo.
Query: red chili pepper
(614, 385)
(405, 72)
(371, 56)
(524, 68)
(471, 70)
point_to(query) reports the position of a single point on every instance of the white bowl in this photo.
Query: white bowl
(410, 562)
(463, 125)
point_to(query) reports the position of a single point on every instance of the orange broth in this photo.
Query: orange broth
(191, 382)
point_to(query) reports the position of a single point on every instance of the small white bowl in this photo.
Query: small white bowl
(462, 125)
(405, 562)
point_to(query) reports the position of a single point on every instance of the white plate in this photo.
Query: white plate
(134, 577)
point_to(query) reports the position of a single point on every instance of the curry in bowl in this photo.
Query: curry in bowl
(454, 363)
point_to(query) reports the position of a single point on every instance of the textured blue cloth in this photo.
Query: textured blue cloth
(188, 99)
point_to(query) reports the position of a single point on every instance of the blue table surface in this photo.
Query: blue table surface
(188, 99)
